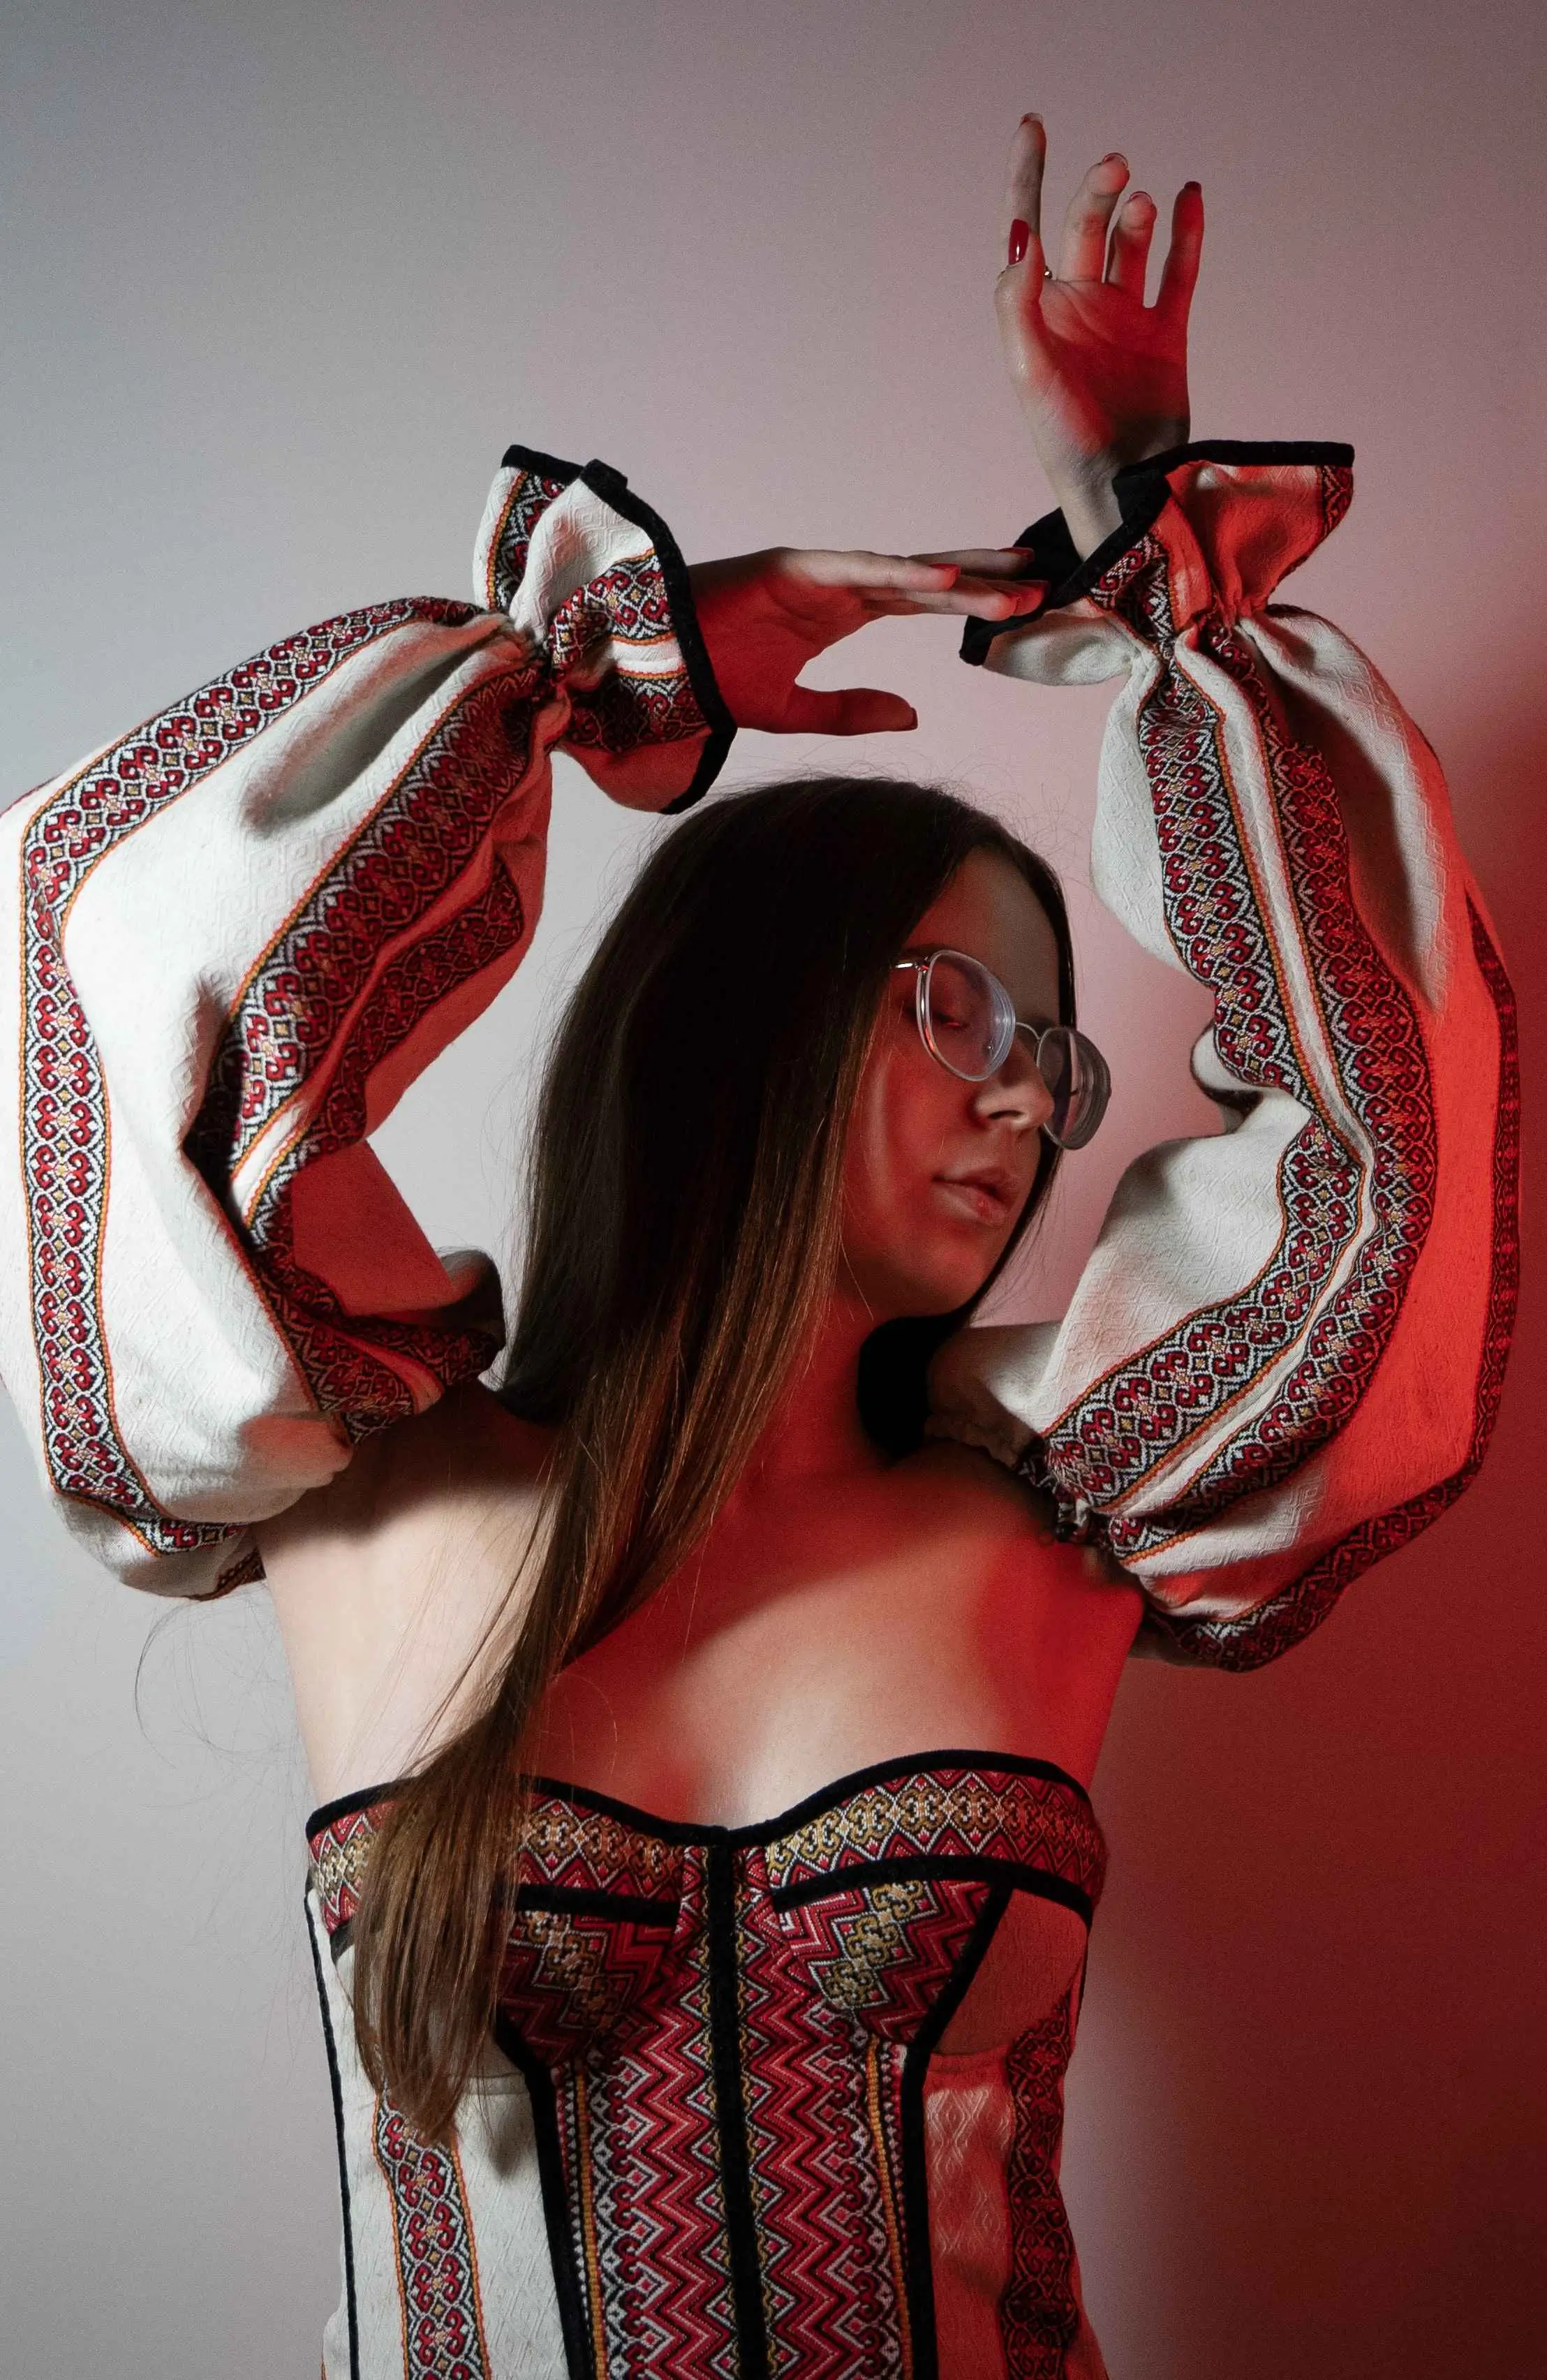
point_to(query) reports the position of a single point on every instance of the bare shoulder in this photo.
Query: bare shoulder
(963, 1492)
(966, 1485)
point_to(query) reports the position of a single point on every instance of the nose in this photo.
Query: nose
(1017, 1094)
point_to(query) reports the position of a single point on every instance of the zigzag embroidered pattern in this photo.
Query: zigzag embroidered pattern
(977, 1815)
(609, 1996)
(419, 840)
(1374, 1032)
(426, 829)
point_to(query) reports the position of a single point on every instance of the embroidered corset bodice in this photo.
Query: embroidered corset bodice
(791, 2100)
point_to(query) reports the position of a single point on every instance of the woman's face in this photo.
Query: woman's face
(937, 1171)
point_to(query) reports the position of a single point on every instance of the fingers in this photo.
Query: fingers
(986, 560)
(1090, 211)
(986, 583)
(855, 711)
(1179, 275)
(977, 599)
(1028, 155)
(864, 573)
(1131, 234)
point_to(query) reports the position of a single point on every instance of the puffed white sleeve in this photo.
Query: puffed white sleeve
(1285, 1355)
(231, 940)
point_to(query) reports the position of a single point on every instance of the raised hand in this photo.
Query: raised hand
(765, 615)
(1101, 376)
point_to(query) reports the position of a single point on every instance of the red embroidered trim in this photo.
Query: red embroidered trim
(949, 1814)
(1149, 1405)
(1039, 2315)
(1259, 1637)
(64, 1119)
(437, 2263)
(312, 1000)
(529, 498)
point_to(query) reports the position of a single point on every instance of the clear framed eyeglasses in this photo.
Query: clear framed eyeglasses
(967, 1021)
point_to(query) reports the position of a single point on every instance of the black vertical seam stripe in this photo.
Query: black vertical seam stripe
(915, 2170)
(735, 2164)
(336, 2080)
(555, 2198)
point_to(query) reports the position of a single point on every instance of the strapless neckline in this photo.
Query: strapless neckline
(904, 1767)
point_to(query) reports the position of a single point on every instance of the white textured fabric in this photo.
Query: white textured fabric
(446, 2265)
(229, 942)
(1284, 1353)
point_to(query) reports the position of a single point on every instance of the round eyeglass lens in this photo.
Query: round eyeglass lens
(1078, 1083)
(968, 1020)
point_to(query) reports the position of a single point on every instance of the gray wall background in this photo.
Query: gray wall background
(280, 282)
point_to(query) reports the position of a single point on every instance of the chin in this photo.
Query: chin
(941, 1290)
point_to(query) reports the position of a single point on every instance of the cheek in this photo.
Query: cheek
(901, 1122)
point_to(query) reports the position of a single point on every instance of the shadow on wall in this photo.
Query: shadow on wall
(1311, 2103)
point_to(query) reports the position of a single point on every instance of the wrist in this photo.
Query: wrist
(1084, 495)
(1084, 485)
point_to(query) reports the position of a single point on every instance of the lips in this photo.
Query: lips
(988, 1192)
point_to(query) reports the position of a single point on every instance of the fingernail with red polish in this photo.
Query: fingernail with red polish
(1020, 239)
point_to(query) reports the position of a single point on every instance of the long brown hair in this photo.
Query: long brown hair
(685, 1177)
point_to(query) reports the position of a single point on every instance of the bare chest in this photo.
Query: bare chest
(814, 1634)
(751, 1680)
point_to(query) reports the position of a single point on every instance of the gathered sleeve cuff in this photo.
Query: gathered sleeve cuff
(1284, 1356)
(231, 940)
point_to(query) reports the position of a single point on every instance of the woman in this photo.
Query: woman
(699, 1995)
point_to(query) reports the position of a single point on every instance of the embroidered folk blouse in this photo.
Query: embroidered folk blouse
(727, 2127)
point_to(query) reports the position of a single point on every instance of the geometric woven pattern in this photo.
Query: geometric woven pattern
(726, 2035)
(64, 1118)
(1286, 1354)
(436, 2267)
(1172, 1389)
(299, 881)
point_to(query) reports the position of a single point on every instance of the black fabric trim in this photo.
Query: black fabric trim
(555, 2198)
(915, 2168)
(1143, 491)
(912, 1764)
(614, 490)
(761, 1831)
(736, 2162)
(336, 2082)
(1335, 453)
(1014, 1874)
(532, 458)
(347, 1804)
(629, 1907)
(827, 1797)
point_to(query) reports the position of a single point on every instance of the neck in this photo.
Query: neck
(815, 1427)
